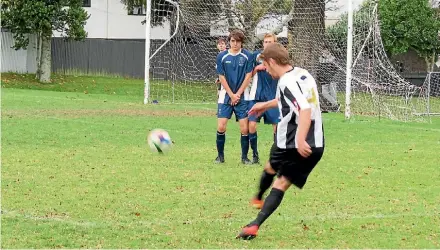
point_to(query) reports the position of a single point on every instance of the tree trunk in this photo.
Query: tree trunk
(306, 32)
(432, 61)
(45, 58)
(38, 73)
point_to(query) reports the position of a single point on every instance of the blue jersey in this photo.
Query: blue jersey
(264, 87)
(234, 68)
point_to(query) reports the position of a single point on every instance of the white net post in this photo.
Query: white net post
(147, 51)
(428, 92)
(429, 96)
(349, 59)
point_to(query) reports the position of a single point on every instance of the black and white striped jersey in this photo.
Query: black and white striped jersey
(297, 90)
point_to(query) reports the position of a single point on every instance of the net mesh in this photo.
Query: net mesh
(183, 69)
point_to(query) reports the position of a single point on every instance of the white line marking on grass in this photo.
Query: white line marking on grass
(65, 220)
(113, 124)
(92, 100)
(413, 128)
(159, 222)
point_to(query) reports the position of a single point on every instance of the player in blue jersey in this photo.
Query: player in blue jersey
(221, 46)
(234, 67)
(263, 89)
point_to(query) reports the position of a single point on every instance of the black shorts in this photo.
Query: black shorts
(290, 164)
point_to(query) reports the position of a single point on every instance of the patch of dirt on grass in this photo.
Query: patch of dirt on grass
(106, 112)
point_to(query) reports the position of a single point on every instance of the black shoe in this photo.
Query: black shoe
(255, 160)
(246, 161)
(219, 159)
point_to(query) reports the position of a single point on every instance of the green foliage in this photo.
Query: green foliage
(409, 24)
(23, 17)
(336, 34)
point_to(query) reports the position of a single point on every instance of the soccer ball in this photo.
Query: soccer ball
(159, 141)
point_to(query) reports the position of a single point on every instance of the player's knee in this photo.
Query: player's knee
(252, 127)
(244, 130)
(282, 183)
(221, 126)
(268, 168)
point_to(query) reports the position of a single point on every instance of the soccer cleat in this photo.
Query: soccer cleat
(256, 203)
(219, 159)
(246, 161)
(255, 160)
(248, 232)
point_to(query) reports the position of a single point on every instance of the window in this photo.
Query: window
(137, 11)
(87, 3)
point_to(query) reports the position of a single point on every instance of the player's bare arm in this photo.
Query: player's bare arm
(260, 107)
(225, 85)
(303, 127)
(245, 84)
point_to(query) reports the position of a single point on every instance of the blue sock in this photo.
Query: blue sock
(253, 138)
(244, 146)
(221, 138)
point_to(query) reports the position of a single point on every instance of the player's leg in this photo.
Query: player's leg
(273, 200)
(293, 169)
(271, 203)
(241, 113)
(266, 180)
(253, 137)
(224, 113)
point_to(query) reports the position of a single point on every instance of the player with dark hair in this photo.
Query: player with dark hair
(234, 67)
(221, 46)
(299, 143)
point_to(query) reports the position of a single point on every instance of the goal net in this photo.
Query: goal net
(430, 94)
(182, 68)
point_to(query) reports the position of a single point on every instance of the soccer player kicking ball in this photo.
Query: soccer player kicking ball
(299, 142)
(263, 89)
(234, 67)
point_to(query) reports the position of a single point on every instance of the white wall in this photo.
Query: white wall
(19, 61)
(109, 19)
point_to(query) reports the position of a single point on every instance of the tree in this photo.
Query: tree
(42, 17)
(336, 34)
(411, 24)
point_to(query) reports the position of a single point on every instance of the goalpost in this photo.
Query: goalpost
(343, 52)
(431, 90)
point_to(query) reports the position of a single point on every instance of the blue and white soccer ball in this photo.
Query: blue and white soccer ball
(159, 141)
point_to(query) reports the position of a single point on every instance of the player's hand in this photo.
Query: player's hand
(257, 109)
(260, 67)
(304, 149)
(235, 99)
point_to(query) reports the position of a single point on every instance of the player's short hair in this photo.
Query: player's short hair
(267, 35)
(237, 34)
(221, 40)
(277, 52)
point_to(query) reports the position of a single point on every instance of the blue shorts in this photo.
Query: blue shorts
(241, 110)
(271, 116)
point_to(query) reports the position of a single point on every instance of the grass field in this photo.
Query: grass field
(77, 173)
